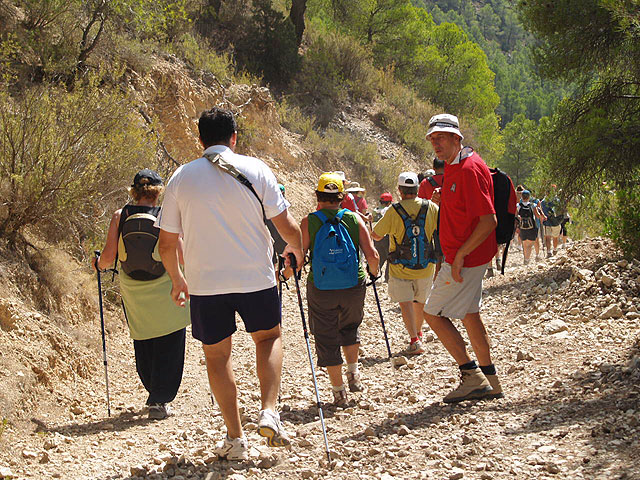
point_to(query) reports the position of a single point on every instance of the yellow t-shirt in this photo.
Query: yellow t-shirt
(391, 224)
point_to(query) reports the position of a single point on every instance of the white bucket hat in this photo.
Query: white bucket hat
(354, 187)
(444, 122)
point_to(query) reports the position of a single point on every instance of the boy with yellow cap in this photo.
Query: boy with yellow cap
(336, 290)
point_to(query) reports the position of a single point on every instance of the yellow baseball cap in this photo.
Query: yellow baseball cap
(330, 182)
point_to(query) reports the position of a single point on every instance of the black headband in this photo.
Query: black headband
(443, 124)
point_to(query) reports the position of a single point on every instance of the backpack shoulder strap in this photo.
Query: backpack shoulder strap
(432, 181)
(226, 167)
(124, 213)
(401, 211)
(423, 209)
(340, 214)
(320, 215)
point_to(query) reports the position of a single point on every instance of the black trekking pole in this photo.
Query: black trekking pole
(104, 342)
(294, 265)
(384, 329)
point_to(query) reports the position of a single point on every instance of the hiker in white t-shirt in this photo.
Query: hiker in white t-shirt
(228, 267)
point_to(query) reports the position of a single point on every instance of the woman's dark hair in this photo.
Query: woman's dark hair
(408, 190)
(329, 197)
(216, 126)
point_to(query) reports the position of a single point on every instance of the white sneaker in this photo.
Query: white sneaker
(269, 426)
(159, 411)
(233, 448)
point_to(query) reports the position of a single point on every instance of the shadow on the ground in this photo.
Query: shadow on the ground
(594, 399)
(372, 361)
(116, 423)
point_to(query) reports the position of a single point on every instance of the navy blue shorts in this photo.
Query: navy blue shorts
(213, 316)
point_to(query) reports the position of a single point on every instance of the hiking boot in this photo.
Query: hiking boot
(526, 261)
(555, 252)
(414, 348)
(473, 384)
(353, 379)
(233, 448)
(340, 397)
(496, 388)
(159, 411)
(549, 253)
(269, 426)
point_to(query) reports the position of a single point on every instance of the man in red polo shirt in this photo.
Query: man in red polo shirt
(468, 240)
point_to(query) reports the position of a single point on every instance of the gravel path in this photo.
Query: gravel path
(566, 344)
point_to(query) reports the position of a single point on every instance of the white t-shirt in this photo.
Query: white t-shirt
(227, 247)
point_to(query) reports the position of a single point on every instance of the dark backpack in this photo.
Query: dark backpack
(504, 203)
(137, 242)
(335, 260)
(527, 220)
(415, 251)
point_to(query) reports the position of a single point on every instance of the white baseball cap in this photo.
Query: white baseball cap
(408, 179)
(444, 122)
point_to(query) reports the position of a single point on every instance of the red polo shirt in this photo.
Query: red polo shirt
(467, 193)
(426, 189)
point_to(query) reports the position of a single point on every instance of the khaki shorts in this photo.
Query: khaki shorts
(452, 299)
(403, 290)
(552, 231)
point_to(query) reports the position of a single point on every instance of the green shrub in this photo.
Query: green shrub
(292, 118)
(334, 67)
(405, 115)
(623, 224)
(340, 150)
(64, 155)
(197, 51)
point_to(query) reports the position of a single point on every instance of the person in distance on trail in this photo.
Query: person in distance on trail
(228, 267)
(358, 196)
(527, 213)
(468, 240)
(336, 300)
(550, 205)
(156, 324)
(433, 181)
(382, 246)
(411, 271)
(351, 201)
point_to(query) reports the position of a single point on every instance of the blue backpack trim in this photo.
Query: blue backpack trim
(335, 259)
(415, 252)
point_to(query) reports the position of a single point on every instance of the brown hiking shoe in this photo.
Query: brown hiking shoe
(496, 388)
(340, 397)
(353, 379)
(473, 384)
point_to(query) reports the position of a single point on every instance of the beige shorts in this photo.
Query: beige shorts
(452, 299)
(403, 290)
(552, 231)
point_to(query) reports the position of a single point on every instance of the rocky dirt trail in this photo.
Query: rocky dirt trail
(566, 343)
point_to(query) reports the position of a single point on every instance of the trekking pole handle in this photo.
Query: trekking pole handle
(294, 266)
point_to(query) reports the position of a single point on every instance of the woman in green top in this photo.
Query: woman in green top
(335, 315)
(156, 324)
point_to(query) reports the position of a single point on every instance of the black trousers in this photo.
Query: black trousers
(160, 362)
